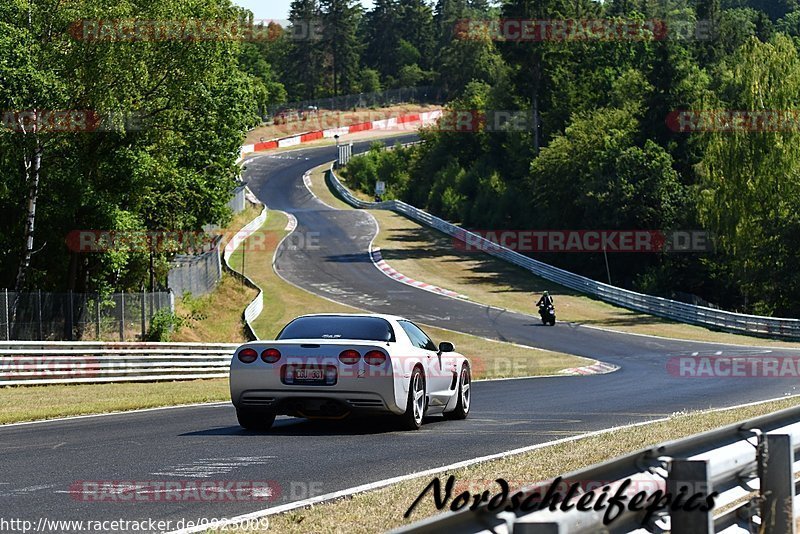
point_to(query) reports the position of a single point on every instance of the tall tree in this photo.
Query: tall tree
(382, 27)
(340, 20)
(529, 58)
(751, 192)
(303, 62)
(417, 27)
(107, 134)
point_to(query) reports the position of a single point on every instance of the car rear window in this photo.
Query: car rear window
(339, 327)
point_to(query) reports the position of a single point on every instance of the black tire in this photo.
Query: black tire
(415, 405)
(255, 420)
(552, 322)
(464, 395)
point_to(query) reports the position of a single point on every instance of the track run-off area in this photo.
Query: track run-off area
(45, 465)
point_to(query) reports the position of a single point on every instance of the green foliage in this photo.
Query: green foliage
(162, 326)
(603, 155)
(174, 113)
(750, 188)
(370, 81)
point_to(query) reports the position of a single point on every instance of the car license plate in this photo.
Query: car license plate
(309, 374)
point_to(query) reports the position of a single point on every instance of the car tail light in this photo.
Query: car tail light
(375, 357)
(349, 357)
(271, 355)
(248, 355)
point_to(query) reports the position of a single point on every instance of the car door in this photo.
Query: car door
(438, 376)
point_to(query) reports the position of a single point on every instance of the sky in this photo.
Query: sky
(274, 9)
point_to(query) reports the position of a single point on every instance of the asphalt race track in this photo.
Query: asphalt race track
(41, 463)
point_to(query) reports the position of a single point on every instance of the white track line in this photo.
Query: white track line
(466, 463)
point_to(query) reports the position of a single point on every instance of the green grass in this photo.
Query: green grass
(32, 403)
(383, 509)
(428, 255)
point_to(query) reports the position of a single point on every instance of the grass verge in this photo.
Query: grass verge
(31, 403)
(383, 509)
(430, 256)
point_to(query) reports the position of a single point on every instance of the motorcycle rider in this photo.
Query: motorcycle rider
(545, 301)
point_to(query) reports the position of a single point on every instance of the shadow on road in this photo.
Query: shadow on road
(306, 427)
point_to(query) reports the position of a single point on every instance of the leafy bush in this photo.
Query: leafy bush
(163, 324)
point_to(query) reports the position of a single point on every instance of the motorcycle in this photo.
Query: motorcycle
(548, 313)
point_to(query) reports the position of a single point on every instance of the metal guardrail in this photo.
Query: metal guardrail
(751, 465)
(669, 309)
(43, 363)
(255, 308)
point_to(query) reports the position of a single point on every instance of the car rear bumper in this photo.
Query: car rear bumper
(307, 402)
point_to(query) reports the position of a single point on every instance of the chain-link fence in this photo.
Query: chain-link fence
(406, 95)
(198, 274)
(39, 316)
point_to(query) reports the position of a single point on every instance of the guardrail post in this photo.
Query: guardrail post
(39, 312)
(70, 318)
(775, 459)
(97, 317)
(8, 315)
(144, 315)
(122, 316)
(695, 475)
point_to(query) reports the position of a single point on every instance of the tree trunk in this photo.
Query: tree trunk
(535, 85)
(33, 167)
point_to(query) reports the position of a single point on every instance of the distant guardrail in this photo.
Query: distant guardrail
(738, 323)
(751, 465)
(44, 363)
(255, 308)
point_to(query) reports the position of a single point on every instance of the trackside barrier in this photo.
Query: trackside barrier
(425, 118)
(43, 363)
(255, 308)
(670, 309)
(750, 464)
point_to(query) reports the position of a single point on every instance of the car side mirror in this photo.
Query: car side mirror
(446, 346)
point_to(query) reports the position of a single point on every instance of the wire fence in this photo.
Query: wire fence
(36, 315)
(196, 274)
(406, 95)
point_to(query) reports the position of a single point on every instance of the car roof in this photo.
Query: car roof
(372, 315)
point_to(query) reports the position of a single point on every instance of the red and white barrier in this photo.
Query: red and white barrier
(402, 122)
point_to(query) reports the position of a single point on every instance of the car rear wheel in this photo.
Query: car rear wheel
(255, 420)
(415, 407)
(464, 395)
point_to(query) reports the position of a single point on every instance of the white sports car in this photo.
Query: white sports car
(331, 366)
